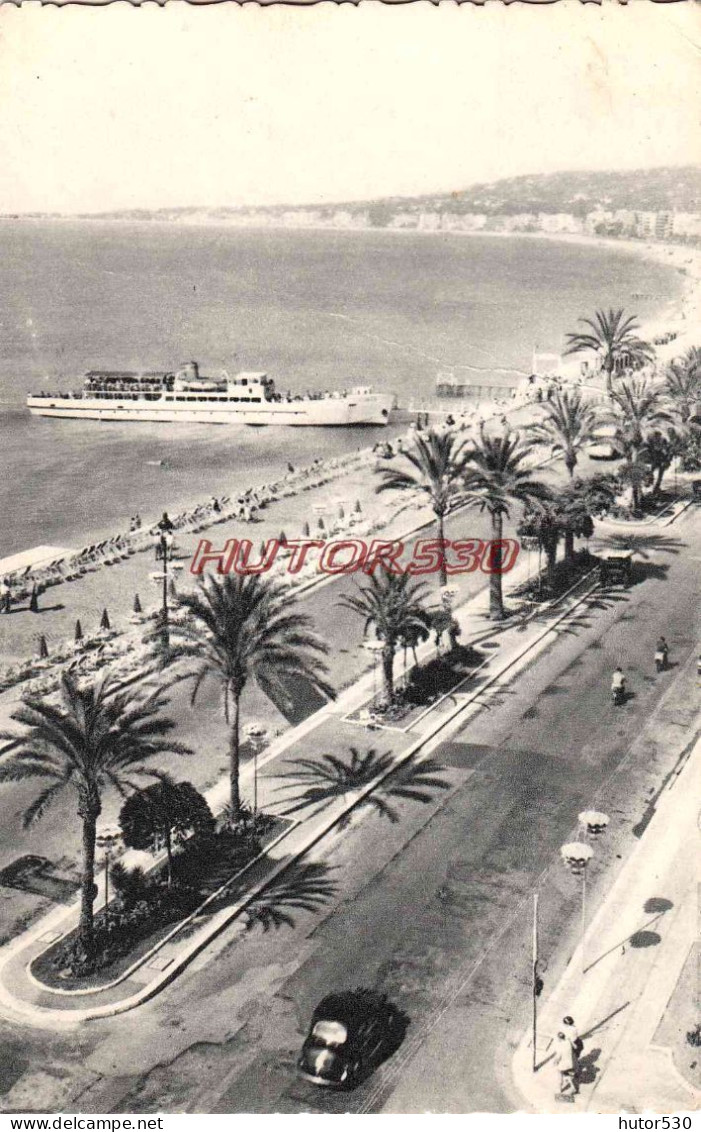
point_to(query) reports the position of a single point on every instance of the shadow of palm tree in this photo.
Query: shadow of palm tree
(306, 886)
(323, 780)
(642, 544)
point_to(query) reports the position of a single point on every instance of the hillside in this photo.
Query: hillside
(669, 189)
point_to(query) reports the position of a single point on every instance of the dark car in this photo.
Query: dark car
(349, 1035)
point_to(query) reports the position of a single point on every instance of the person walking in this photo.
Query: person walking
(5, 597)
(566, 1063)
(572, 1034)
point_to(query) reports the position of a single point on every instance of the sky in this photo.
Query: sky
(123, 107)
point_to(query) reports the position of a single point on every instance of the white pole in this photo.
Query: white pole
(584, 914)
(535, 975)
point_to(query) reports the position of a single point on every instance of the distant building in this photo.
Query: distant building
(686, 224)
(429, 221)
(663, 226)
(560, 222)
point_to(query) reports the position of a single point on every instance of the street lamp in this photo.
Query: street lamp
(256, 734)
(594, 822)
(107, 840)
(375, 647)
(163, 549)
(576, 856)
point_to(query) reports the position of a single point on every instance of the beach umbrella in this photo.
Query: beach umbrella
(357, 507)
(34, 600)
(305, 530)
(43, 648)
(137, 604)
(78, 631)
(105, 621)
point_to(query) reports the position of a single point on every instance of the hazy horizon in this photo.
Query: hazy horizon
(115, 108)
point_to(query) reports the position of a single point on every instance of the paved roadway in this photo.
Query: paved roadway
(434, 909)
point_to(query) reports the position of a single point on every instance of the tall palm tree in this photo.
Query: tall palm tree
(94, 738)
(568, 426)
(496, 479)
(635, 408)
(611, 335)
(543, 521)
(682, 388)
(246, 627)
(392, 604)
(436, 468)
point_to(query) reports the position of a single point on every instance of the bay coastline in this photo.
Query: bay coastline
(171, 489)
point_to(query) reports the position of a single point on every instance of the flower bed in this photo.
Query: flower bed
(425, 684)
(146, 910)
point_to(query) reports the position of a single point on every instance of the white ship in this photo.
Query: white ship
(247, 398)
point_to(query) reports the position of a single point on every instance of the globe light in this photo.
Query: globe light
(576, 855)
(594, 821)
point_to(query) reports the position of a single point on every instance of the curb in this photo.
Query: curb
(317, 835)
(522, 1072)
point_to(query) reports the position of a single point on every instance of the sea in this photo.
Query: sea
(314, 309)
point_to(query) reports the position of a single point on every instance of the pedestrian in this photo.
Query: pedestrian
(571, 1032)
(566, 1063)
(5, 596)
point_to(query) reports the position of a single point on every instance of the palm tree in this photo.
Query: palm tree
(568, 426)
(682, 388)
(578, 501)
(246, 627)
(94, 738)
(636, 411)
(495, 480)
(543, 521)
(658, 451)
(612, 336)
(437, 463)
(392, 604)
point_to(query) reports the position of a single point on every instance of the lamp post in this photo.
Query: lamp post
(448, 595)
(107, 840)
(165, 542)
(576, 856)
(256, 734)
(375, 647)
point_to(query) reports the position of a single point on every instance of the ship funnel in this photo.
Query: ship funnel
(189, 371)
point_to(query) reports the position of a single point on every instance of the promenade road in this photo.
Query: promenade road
(435, 908)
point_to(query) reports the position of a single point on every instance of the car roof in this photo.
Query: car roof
(347, 1006)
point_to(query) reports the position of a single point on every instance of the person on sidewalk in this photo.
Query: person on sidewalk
(572, 1033)
(566, 1063)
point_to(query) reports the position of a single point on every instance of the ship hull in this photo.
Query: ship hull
(329, 412)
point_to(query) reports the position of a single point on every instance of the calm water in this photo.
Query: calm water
(314, 309)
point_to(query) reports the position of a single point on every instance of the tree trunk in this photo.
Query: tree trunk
(570, 464)
(658, 482)
(635, 498)
(569, 547)
(550, 563)
(234, 758)
(89, 815)
(442, 573)
(169, 855)
(496, 600)
(388, 673)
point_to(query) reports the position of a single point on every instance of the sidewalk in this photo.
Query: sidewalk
(326, 731)
(635, 951)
